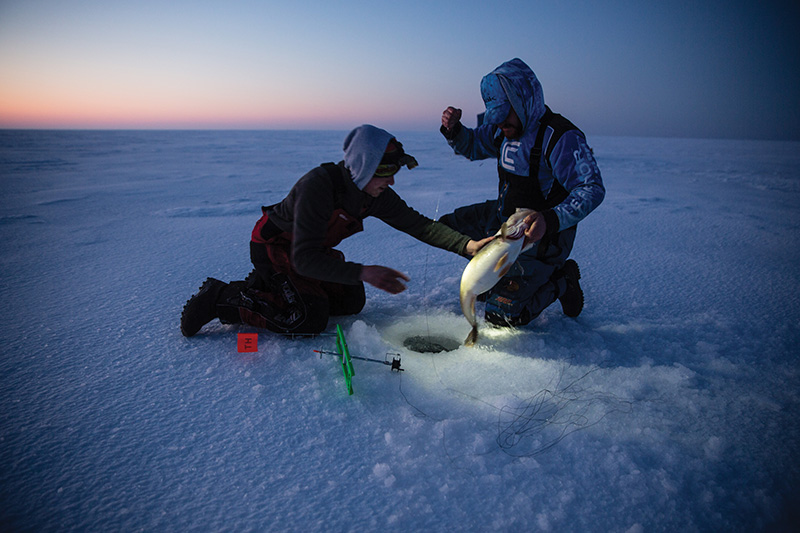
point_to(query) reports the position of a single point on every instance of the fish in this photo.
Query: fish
(490, 264)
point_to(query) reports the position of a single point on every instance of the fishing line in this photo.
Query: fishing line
(426, 301)
(457, 465)
(429, 341)
(565, 405)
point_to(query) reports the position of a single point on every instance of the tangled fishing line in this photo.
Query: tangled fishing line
(540, 422)
(537, 423)
(545, 419)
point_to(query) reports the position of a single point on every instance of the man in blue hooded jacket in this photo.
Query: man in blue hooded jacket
(544, 164)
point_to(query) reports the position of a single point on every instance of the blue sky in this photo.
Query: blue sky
(717, 69)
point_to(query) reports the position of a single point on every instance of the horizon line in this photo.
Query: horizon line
(332, 129)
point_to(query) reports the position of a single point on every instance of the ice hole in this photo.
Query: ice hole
(430, 344)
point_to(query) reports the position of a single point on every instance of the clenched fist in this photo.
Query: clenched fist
(450, 117)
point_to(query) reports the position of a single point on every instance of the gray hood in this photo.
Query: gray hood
(363, 151)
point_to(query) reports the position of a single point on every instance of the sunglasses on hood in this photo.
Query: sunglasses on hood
(393, 159)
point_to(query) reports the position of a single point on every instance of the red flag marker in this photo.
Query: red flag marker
(248, 342)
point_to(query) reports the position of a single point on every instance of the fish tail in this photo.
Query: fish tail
(472, 338)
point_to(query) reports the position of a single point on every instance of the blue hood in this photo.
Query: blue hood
(363, 151)
(514, 82)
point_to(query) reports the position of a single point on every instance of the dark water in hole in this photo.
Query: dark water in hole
(430, 344)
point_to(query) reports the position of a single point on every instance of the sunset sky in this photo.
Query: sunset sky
(622, 67)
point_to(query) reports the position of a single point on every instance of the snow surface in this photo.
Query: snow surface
(670, 404)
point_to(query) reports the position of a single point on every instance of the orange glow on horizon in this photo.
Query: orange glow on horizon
(113, 113)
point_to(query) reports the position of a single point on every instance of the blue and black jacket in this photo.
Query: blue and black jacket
(559, 177)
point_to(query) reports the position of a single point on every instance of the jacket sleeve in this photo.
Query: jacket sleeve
(575, 168)
(313, 207)
(394, 211)
(473, 144)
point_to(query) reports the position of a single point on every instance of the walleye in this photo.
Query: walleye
(490, 264)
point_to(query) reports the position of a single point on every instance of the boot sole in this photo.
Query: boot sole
(205, 287)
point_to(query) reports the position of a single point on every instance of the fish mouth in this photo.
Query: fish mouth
(516, 232)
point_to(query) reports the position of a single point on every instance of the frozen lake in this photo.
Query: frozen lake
(670, 404)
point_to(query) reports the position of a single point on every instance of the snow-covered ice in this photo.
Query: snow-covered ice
(670, 404)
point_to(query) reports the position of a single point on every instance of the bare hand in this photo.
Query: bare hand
(473, 247)
(385, 279)
(450, 117)
(536, 229)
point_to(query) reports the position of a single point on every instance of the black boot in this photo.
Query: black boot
(572, 299)
(202, 307)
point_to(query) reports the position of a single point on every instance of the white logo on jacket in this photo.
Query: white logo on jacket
(509, 149)
(584, 166)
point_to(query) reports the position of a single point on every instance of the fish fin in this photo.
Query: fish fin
(472, 338)
(501, 262)
(504, 231)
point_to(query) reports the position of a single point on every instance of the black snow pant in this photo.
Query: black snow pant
(276, 298)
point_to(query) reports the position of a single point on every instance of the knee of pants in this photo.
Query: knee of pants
(311, 319)
(513, 299)
(503, 311)
(315, 323)
(519, 307)
(474, 220)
